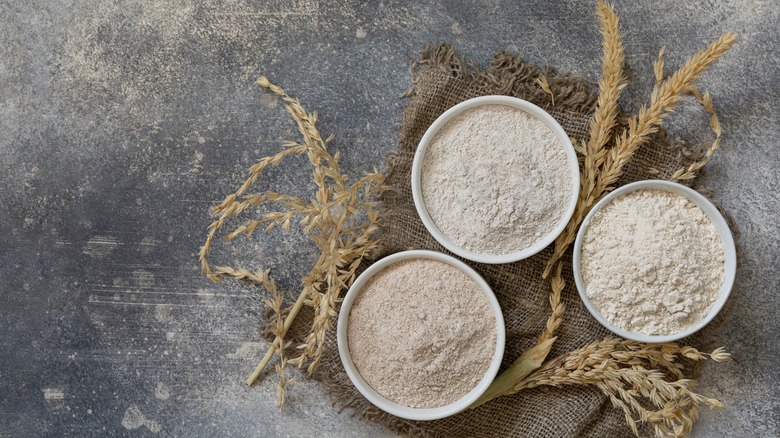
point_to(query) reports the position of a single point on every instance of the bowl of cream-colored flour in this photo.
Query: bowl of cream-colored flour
(495, 179)
(654, 261)
(421, 335)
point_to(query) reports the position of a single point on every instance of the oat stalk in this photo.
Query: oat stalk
(340, 218)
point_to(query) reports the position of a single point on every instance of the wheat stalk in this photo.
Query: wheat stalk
(601, 124)
(611, 85)
(663, 99)
(624, 371)
(658, 66)
(556, 317)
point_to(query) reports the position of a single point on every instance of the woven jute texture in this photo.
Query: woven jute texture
(441, 80)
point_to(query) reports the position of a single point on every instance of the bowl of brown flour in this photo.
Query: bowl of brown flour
(654, 261)
(495, 179)
(421, 335)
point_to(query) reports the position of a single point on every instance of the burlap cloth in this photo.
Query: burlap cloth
(441, 80)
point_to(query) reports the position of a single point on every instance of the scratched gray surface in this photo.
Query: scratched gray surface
(122, 122)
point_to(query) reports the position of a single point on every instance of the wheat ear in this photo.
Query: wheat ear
(663, 100)
(611, 84)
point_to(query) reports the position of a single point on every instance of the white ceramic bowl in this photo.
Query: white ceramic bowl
(721, 227)
(528, 107)
(376, 398)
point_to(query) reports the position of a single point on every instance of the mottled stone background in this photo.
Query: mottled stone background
(121, 123)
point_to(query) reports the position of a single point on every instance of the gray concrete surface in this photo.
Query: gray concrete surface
(122, 122)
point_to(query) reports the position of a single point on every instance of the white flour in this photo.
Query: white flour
(422, 333)
(495, 179)
(652, 262)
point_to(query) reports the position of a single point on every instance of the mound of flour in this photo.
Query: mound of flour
(652, 262)
(495, 179)
(422, 333)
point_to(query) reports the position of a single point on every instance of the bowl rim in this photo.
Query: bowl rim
(533, 110)
(712, 213)
(377, 399)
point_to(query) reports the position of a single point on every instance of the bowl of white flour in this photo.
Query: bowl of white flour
(654, 261)
(495, 179)
(421, 335)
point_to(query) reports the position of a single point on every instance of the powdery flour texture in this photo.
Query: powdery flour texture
(495, 179)
(442, 79)
(422, 333)
(652, 262)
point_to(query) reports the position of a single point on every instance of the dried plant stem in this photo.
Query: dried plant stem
(663, 100)
(634, 376)
(611, 85)
(270, 353)
(341, 219)
(705, 101)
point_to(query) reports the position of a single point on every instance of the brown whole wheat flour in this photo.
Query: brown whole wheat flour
(443, 79)
(495, 179)
(422, 333)
(652, 262)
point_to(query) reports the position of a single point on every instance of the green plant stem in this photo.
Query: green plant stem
(524, 365)
(287, 323)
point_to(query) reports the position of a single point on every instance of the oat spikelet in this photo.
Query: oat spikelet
(279, 345)
(611, 84)
(341, 219)
(278, 329)
(545, 86)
